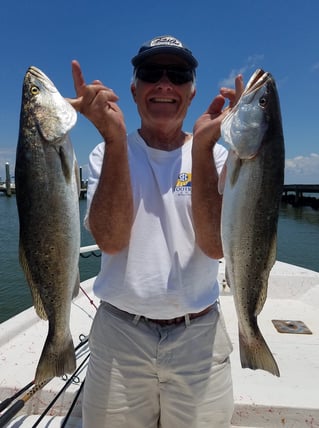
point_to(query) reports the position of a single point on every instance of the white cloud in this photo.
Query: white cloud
(302, 169)
(252, 63)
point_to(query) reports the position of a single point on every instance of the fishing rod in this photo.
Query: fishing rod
(16, 407)
(67, 416)
(69, 381)
(88, 297)
(5, 403)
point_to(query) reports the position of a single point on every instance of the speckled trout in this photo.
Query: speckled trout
(251, 184)
(47, 189)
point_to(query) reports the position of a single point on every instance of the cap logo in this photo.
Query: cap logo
(167, 41)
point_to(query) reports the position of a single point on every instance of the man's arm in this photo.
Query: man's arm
(111, 212)
(206, 200)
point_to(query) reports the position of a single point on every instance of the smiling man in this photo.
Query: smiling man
(159, 348)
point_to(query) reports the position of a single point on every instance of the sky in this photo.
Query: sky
(227, 38)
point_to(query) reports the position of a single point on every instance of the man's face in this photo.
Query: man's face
(163, 102)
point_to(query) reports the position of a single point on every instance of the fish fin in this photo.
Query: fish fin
(232, 167)
(263, 287)
(36, 298)
(222, 179)
(236, 165)
(56, 360)
(65, 163)
(255, 354)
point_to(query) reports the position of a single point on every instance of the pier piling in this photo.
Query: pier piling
(294, 194)
(8, 180)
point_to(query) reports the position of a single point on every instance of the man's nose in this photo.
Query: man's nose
(164, 78)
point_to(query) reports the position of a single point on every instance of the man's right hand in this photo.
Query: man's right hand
(98, 103)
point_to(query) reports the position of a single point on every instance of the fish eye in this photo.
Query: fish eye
(34, 90)
(262, 101)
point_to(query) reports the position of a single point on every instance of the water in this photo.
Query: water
(14, 290)
(298, 237)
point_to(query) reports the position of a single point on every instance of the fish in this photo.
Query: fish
(47, 195)
(251, 184)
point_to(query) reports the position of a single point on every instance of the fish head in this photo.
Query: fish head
(43, 109)
(256, 113)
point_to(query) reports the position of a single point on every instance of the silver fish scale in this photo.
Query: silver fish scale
(251, 198)
(47, 193)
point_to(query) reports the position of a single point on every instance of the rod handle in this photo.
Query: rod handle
(11, 412)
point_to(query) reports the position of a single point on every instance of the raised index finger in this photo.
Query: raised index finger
(78, 79)
(239, 87)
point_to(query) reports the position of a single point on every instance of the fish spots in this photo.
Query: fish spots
(48, 208)
(250, 208)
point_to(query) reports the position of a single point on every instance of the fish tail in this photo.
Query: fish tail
(56, 360)
(255, 354)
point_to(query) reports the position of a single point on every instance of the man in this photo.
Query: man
(159, 348)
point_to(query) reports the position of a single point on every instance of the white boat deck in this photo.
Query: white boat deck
(261, 399)
(292, 400)
(21, 341)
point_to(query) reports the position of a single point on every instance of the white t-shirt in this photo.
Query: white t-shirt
(162, 274)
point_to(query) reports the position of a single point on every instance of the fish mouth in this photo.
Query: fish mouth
(257, 80)
(36, 73)
(244, 126)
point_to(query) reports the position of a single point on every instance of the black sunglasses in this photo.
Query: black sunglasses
(153, 73)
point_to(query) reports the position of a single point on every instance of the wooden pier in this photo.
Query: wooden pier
(294, 194)
(8, 187)
(8, 191)
(301, 188)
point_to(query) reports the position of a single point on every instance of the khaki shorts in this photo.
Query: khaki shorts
(144, 375)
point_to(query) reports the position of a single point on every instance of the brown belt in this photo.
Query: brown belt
(181, 319)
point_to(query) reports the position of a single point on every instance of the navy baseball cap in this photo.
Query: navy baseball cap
(167, 45)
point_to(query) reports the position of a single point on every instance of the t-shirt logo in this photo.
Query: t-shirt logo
(183, 184)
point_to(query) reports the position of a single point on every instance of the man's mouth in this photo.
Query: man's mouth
(163, 100)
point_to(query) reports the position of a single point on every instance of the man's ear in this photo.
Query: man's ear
(133, 91)
(192, 95)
